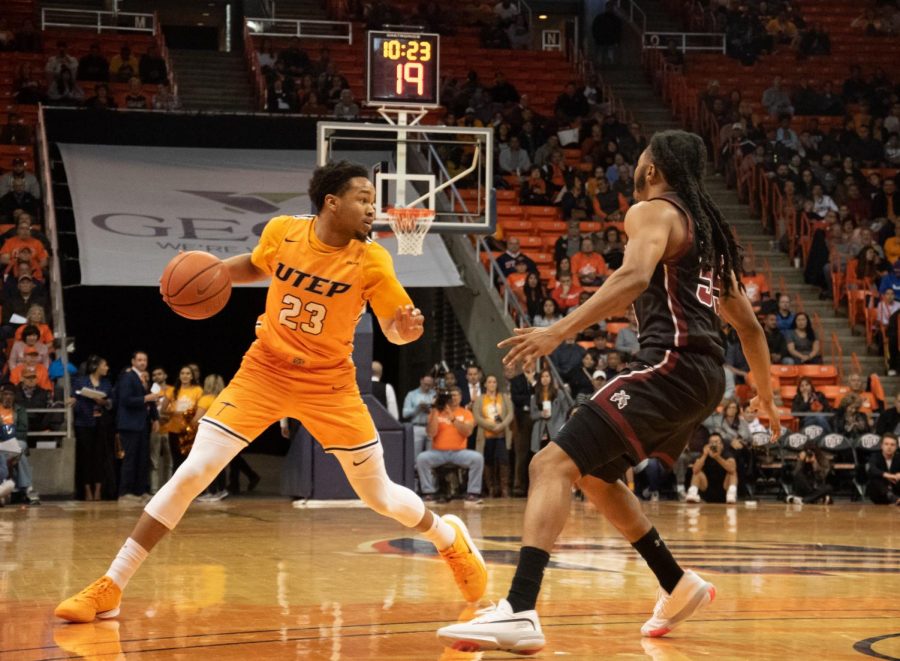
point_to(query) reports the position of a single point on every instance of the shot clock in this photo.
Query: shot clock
(403, 69)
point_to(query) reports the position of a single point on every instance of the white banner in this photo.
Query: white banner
(136, 207)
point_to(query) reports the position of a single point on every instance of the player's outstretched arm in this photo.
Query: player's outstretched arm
(242, 269)
(407, 325)
(649, 226)
(737, 310)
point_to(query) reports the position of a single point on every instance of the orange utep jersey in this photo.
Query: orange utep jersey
(318, 292)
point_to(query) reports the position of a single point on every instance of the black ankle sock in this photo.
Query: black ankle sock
(526, 583)
(657, 556)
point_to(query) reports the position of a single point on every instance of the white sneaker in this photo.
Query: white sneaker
(6, 487)
(731, 495)
(690, 595)
(654, 496)
(679, 490)
(693, 495)
(496, 628)
(794, 500)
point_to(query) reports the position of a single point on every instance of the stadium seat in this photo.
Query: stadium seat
(820, 375)
(787, 374)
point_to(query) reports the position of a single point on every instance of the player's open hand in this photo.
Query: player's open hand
(529, 344)
(771, 411)
(409, 323)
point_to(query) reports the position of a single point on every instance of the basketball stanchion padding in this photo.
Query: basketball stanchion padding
(410, 225)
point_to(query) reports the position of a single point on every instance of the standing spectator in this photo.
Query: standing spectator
(181, 405)
(607, 32)
(506, 12)
(776, 100)
(152, 67)
(803, 345)
(778, 350)
(627, 342)
(812, 404)
(384, 392)
(549, 408)
(94, 66)
(588, 266)
(416, 405)
(884, 473)
(472, 389)
(494, 415)
(160, 452)
(449, 425)
(133, 428)
(346, 107)
(521, 388)
(165, 98)
(715, 474)
(61, 60)
(124, 66)
(93, 428)
(580, 379)
(32, 187)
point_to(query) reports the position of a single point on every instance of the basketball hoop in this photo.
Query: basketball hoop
(410, 225)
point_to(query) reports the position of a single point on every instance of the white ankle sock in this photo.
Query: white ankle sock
(694, 491)
(127, 562)
(441, 533)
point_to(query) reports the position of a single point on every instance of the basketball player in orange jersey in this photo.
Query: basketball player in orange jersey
(324, 270)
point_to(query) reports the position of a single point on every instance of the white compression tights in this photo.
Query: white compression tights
(371, 483)
(213, 449)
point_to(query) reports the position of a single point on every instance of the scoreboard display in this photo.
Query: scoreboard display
(403, 69)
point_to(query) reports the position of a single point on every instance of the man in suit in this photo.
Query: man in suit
(132, 425)
(470, 391)
(884, 473)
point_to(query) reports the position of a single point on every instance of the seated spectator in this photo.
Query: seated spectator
(12, 247)
(64, 91)
(811, 405)
(549, 314)
(786, 136)
(814, 41)
(532, 295)
(575, 203)
(15, 131)
(31, 364)
(886, 204)
(783, 315)
(30, 341)
(892, 150)
(28, 85)
(781, 29)
(543, 153)
(94, 66)
(534, 188)
(612, 247)
(776, 100)
(449, 426)
(7, 36)
(513, 159)
(516, 279)
(135, 98)
(165, 98)
(803, 345)
(811, 473)
(627, 342)
(313, 106)
(15, 423)
(124, 66)
(18, 198)
(567, 356)
(346, 108)
(549, 409)
(883, 487)
(588, 266)
(570, 105)
(778, 350)
(822, 203)
(152, 67)
(28, 40)
(62, 60)
(755, 284)
(609, 206)
(19, 172)
(507, 260)
(870, 23)
(280, 98)
(851, 420)
(29, 395)
(101, 99)
(715, 474)
(891, 281)
(580, 378)
(35, 318)
(22, 301)
(566, 293)
(614, 365)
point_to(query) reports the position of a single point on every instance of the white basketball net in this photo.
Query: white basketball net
(410, 227)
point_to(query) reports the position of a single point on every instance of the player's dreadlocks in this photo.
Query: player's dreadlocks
(681, 157)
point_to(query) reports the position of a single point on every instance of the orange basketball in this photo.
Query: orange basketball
(195, 284)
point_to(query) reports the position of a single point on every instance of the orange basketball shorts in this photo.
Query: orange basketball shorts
(267, 388)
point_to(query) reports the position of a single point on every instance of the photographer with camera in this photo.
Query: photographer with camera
(715, 474)
(449, 426)
(811, 474)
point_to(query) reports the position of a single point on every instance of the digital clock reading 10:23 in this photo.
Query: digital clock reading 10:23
(403, 69)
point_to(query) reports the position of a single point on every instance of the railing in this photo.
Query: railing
(709, 42)
(54, 277)
(635, 14)
(283, 27)
(257, 79)
(101, 21)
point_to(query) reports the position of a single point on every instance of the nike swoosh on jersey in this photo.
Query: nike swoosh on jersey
(360, 463)
(292, 240)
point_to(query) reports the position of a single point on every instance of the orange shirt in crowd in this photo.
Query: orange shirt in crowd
(588, 265)
(43, 378)
(14, 244)
(447, 436)
(755, 285)
(517, 283)
(491, 408)
(566, 300)
(46, 334)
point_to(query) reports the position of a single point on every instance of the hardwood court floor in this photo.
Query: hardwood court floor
(257, 579)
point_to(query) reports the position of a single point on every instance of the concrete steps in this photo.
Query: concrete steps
(210, 80)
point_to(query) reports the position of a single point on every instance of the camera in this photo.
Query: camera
(441, 400)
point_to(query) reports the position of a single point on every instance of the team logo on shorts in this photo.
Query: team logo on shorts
(620, 399)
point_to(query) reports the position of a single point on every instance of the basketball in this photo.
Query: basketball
(195, 284)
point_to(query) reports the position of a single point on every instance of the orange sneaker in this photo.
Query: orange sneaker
(100, 599)
(468, 566)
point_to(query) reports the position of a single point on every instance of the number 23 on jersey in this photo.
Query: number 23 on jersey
(293, 315)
